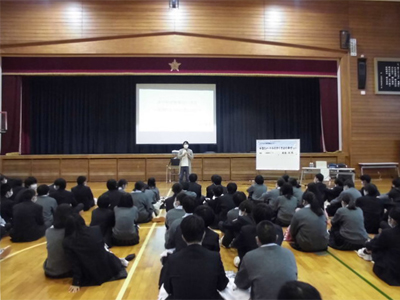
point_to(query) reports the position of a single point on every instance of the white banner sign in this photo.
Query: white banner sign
(281, 155)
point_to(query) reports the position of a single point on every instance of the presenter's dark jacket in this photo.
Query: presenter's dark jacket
(195, 187)
(385, 249)
(63, 196)
(372, 208)
(91, 263)
(83, 194)
(246, 240)
(28, 223)
(195, 273)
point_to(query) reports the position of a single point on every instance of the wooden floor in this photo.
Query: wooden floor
(336, 274)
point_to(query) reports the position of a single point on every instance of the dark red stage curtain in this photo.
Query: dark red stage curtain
(11, 103)
(329, 113)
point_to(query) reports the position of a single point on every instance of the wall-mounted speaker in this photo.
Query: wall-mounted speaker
(344, 39)
(362, 73)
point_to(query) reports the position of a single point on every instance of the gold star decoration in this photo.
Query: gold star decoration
(174, 65)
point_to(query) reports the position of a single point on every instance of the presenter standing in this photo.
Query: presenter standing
(185, 156)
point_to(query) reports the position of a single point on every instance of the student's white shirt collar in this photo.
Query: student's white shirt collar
(308, 205)
(179, 207)
(186, 214)
(269, 245)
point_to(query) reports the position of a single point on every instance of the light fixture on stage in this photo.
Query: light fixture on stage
(173, 3)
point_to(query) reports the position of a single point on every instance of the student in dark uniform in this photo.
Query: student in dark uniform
(83, 193)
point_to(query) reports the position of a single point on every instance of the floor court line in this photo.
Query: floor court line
(20, 251)
(137, 260)
(355, 272)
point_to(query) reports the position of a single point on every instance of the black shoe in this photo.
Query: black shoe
(130, 257)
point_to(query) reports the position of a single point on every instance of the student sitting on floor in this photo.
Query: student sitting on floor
(216, 181)
(125, 231)
(319, 181)
(365, 179)
(334, 192)
(267, 268)
(48, 203)
(104, 217)
(143, 203)
(308, 226)
(122, 185)
(194, 186)
(348, 231)
(169, 202)
(313, 188)
(384, 250)
(246, 240)
(297, 192)
(271, 196)
(91, 263)
(29, 183)
(257, 189)
(348, 189)
(297, 290)
(151, 184)
(56, 264)
(285, 205)
(113, 193)
(6, 204)
(372, 208)
(28, 223)
(61, 195)
(225, 203)
(83, 194)
(194, 272)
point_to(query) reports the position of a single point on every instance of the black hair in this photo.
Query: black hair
(287, 190)
(61, 183)
(349, 183)
(29, 181)
(231, 187)
(285, 177)
(218, 190)
(396, 182)
(310, 198)
(266, 232)
(366, 178)
(180, 197)
(125, 200)
(81, 180)
(176, 188)
(17, 182)
(280, 182)
(2, 177)
(185, 142)
(104, 201)
(192, 228)
(139, 185)
(259, 179)
(371, 189)
(216, 179)
(61, 214)
(122, 182)
(5, 188)
(112, 184)
(246, 206)
(293, 290)
(185, 185)
(188, 204)
(43, 190)
(151, 182)
(312, 187)
(238, 198)
(262, 212)
(193, 177)
(294, 183)
(320, 177)
(206, 213)
(339, 182)
(74, 224)
(27, 195)
(351, 204)
(394, 213)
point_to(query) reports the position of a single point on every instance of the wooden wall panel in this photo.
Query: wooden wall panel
(132, 169)
(71, 169)
(375, 118)
(103, 169)
(220, 166)
(156, 167)
(243, 168)
(46, 170)
(17, 168)
(197, 167)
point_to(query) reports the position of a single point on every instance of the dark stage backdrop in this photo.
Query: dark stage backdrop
(96, 114)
